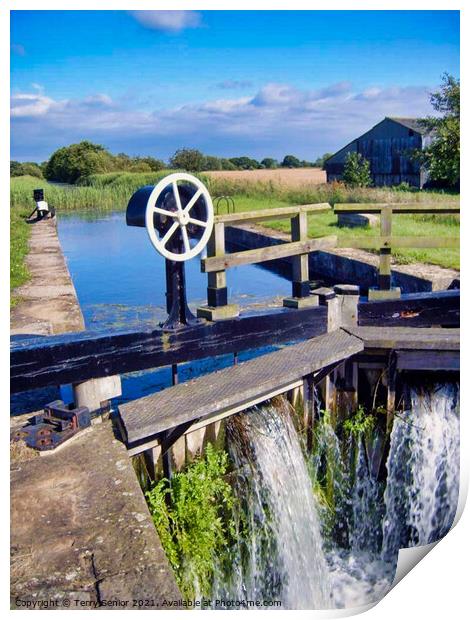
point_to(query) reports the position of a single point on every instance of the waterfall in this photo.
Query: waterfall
(423, 469)
(280, 553)
(322, 530)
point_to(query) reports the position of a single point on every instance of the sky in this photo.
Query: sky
(230, 83)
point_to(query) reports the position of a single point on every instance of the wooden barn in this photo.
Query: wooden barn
(388, 146)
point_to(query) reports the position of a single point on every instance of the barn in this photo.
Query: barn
(388, 146)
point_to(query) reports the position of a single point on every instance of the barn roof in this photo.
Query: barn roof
(411, 123)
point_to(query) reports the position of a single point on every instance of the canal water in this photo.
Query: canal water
(120, 283)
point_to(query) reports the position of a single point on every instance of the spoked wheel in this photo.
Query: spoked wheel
(182, 211)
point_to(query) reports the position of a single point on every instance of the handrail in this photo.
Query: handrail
(399, 207)
(301, 244)
(218, 261)
(270, 214)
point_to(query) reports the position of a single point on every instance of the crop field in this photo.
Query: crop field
(287, 177)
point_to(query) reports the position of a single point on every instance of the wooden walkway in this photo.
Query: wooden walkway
(415, 348)
(233, 389)
(403, 338)
(217, 395)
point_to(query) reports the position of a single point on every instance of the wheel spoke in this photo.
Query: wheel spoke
(193, 200)
(200, 223)
(170, 232)
(187, 247)
(165, 212)
(176, 194)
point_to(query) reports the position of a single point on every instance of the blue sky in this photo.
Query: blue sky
(258, 83)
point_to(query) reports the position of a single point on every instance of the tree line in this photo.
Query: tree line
(71, 163)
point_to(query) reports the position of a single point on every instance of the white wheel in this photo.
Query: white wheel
(181, 217)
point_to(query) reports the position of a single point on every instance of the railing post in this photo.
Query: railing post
(217, 301)
(300, 271)
(385, 290)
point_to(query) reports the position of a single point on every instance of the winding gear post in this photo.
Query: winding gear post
(177, 209)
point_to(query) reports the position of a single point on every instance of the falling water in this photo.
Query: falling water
(324, 531)
(280, 554)
(423, 469)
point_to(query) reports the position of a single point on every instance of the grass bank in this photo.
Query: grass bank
(19, 237)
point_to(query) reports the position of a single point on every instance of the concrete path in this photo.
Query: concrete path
(48, 301)
(81, 531)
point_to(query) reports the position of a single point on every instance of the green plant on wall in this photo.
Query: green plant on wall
(193, 517)
(360, 424)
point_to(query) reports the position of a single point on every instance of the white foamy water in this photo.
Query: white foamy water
(423, 470)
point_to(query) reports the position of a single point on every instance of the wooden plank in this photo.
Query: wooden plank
(376, 243)
(216, 247)
(300, 270)
(68, 358)
(152, 441)
(270, 214)
(231, 388)
(409, 207)
(418, 338)
(416, 310)
(385, 260)
(260, 255)
(428, 360)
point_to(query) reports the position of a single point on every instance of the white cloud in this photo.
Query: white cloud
(31, 105)
(279, 118)
(169, 21)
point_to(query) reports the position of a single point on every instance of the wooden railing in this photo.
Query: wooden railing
(218, 261)
(385, 242)
(301, 245)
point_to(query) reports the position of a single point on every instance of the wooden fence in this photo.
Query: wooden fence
(301, 245)
(385, 242)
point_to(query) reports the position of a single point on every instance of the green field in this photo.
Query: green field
(111, 191)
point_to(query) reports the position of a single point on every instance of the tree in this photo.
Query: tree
(226, 164)
(357, 170)
(244, 163)
(69, 163)
(154, 164)
(212, 163)
(442, 157)
(30, 168)
(270, 163)
(191, 160)
(320, 161)
(290, 161)
(15, 167)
